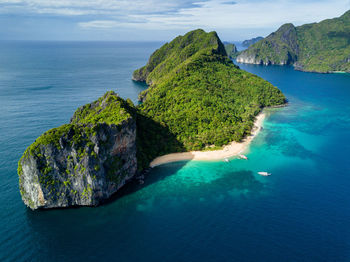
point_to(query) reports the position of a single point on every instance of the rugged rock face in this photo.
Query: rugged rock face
(278, 48)
(318, 47)
(231, 50)
(81, 163)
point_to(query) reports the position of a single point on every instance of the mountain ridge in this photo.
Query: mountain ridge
(249, 42)
(316, 47)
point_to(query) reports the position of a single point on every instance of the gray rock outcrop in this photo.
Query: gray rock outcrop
(279, 48)
(79, 164)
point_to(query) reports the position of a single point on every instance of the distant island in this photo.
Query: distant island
(249, 42)
(318, 47)
(197, 100)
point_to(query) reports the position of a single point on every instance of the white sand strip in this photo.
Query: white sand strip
(230, 150)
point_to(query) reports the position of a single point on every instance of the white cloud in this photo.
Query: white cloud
(103, 7)
(245, 14)
(225, 15)
(179, 15)
(102, 24)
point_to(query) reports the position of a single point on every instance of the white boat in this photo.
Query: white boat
(264, 173)
(243, 157)
(226, 160)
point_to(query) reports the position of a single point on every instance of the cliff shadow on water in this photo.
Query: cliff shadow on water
(240, 183)
(153, 139)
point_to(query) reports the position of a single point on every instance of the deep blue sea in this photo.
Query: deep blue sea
(186, 211)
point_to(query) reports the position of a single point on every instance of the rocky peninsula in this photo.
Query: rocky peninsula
(197, 100)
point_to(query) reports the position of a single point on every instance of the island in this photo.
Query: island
(197, 99)
(322, 47)
(249, 42)
(83, 162)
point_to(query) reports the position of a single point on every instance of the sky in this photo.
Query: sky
(156, 20)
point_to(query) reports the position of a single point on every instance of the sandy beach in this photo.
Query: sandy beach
(230, 150)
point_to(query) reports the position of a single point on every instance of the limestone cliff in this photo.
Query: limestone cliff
(318, 47)
(278, 48)
(84, 162)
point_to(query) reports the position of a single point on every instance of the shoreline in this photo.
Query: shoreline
(233, 149)
(296, 68)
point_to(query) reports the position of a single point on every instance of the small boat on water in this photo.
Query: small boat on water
(226, 160)
(243, 157)
(264, 173)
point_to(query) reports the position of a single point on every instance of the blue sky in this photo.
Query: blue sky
(159, 20)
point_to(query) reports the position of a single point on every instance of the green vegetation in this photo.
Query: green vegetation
(153, 139)
(279, 47)
(209, 103)
(231, 50)
(249, 42)
(325, 46)
(205, 100)
(197, 100)
(109, 109)
(87, 192)
(54, 135)
(174, 55)
(78, 136)
(320, 47)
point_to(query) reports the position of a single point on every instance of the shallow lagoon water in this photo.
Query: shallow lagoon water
(185, 211)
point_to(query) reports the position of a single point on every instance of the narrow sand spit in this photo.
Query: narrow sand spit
(230, 150)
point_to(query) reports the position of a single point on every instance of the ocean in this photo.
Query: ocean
(185, 211)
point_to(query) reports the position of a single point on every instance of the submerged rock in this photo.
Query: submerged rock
(84, 162)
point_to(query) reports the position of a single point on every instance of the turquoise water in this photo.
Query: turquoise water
(185, 211)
